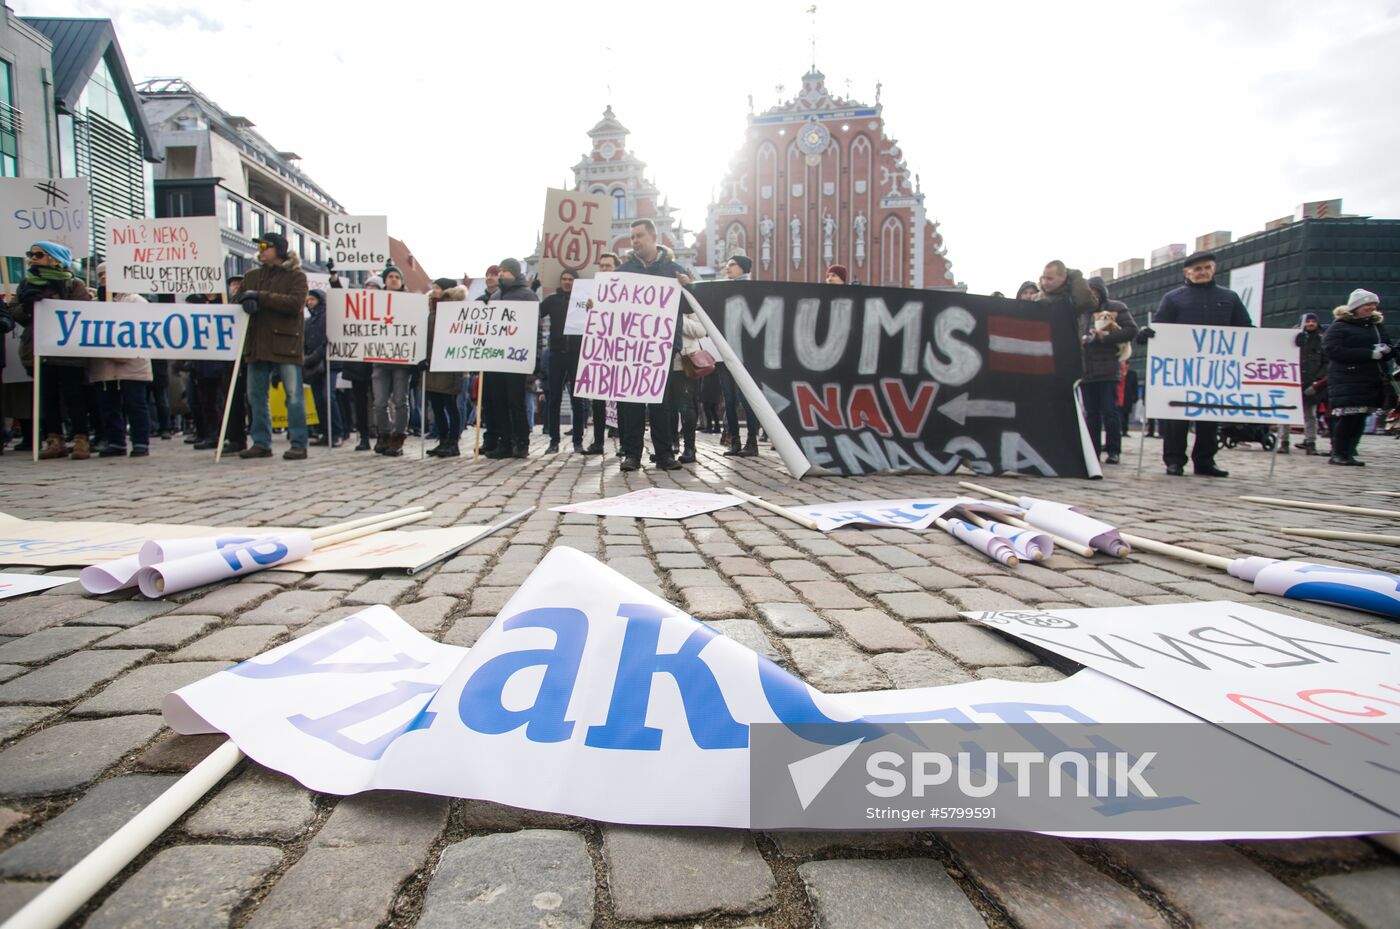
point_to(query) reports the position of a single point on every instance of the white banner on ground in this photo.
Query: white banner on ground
(221, 564)
(380, 326)
(1248, 282)
(1224, 374)
(35, 209)
(80, 329)
(576, 319)
(909, 513)
(164, 256)
(359, 243)
(1231, 663)
(475, 336)
(567, 680)
(629, 338)
(13, 585)
(1067, 522)
(653, 503)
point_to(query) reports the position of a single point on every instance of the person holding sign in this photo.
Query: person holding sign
(1198, 302)
(51, 277)
(504, 396)
(649, 258)
(390, 397)
(444, 387)
(121, 383)
(274, 297)
(562, 367)
(607, 263)
(1358, 359)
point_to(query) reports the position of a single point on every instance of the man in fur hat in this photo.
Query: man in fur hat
(274, 297)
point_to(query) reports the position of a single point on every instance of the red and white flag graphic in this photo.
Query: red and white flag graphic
(1019, 346)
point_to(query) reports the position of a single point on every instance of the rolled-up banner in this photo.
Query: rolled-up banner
(1353, 588)
(1028, 544)
(170, 577)
(989, 544)
(157, 550)
(1068, 523)
(110, 576)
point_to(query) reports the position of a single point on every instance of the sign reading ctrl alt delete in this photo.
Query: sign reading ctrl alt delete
(360, 243)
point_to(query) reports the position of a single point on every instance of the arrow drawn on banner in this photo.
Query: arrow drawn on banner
(960, 408)
(776, 400)
(811, 775)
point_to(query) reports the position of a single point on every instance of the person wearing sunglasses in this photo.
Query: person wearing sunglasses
(50, 277)
(274, 297)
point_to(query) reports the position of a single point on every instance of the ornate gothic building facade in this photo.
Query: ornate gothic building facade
(818, 182)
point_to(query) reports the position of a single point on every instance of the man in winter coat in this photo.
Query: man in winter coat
(274, 297)
(1198, 302)
(1065, 289)
(314, 366)
(649, 258)
(50, 276)
(1312, 367)
(121, 385)
(503, 393)
(1106, 337)
(738, 268)
(562, 367)
(444, 387)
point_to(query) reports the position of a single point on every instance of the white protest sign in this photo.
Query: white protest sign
(82, 329)
(577, 317)
(653, 503)
(13, 585)
(909, 513)
(359, 243)
(1224, 374)
(14, 372)
(315, 281)
(1231, 663)
(1248, 282)
(45, 210)
(383, 326)
(476, 336)
(628, 339)
(568, 678)
(164, 256)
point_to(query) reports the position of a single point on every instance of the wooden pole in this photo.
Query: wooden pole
(34, 431)
(329, 418)
(1375, 537)
(364, 521)
(423, 420)
(1176, 551)
(1384, 493)
(480, 383)
(346, 536)
(804, 521)
(1325, 507)
(989, 492)
(232, 386)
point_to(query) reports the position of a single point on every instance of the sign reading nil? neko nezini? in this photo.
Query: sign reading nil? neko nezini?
(870, 379)
(360, 243)
(164, 256)
(81, 329)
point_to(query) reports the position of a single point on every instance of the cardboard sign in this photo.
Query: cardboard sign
(653, 503)
(649, 711)
(381, 326)
(577, 317)
(476, 336)
(576, 231)
(359, 243)
(628, 338)
(81, 329)
(14, 585)
(14, 372)
(912, 513)
(1231, 663)
(45, 210)
(164, 256)
(1224, 374)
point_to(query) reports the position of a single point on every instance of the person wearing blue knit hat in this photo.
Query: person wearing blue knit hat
(50, 276)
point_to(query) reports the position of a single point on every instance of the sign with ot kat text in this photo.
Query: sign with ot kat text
(82, 329)
(45, 210)
(164, 256)
(629, 338)
(1224, 374)
(475, 336)
(386, 327)
(576, 230)
(360, 243)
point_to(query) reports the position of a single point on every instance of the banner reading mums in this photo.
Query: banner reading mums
(870, 379)
(79, 329)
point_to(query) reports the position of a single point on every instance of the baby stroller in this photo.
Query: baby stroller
(1230, 435)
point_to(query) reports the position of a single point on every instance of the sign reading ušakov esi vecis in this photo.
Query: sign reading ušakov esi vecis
(164, 256)
(383, 326)
(82, 329)
(41, 209)
(628, 338)
(476, 336)
(359, 243)
(1224, 374)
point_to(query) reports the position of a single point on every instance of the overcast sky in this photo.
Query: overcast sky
(1091, 132)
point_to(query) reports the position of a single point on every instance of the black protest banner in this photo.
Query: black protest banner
(870, 379)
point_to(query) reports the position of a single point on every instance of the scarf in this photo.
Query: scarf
(41, 277)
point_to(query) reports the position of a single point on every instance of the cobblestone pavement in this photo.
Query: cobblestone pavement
(84, 747)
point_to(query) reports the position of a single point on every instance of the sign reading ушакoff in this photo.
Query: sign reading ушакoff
(360, 243)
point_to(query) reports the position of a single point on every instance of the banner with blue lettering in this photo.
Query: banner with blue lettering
(1224, 374)
(590, 696)
(879, 379)
(77, 329)
(915, 513)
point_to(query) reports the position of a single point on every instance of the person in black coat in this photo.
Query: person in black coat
(504, 393)
(1198, 302)
(1105, 336)
(1312, 367)
(560, 367)
(1358, 359)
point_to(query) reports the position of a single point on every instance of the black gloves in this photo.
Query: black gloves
(1300, 338)
(1145, 333)
(249, 299)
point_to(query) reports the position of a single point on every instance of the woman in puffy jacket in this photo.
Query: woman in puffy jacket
(1358, 359)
